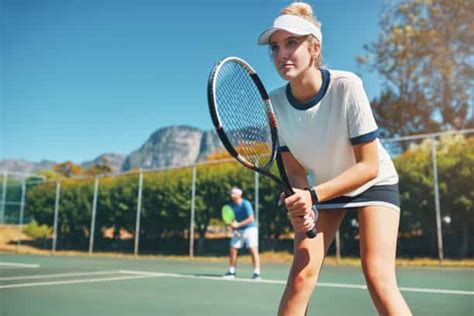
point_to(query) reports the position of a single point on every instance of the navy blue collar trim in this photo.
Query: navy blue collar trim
(314, 100)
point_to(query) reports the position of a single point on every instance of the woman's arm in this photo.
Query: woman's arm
(296, 172)
(365, 169)
(299, 204)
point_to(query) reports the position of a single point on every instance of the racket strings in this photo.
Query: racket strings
(243, 114)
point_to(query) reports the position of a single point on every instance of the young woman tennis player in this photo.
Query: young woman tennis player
(328, 138)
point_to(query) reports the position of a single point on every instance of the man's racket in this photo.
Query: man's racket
(244, 120)
(228, 216)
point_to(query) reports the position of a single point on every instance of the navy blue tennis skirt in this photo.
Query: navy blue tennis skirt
(381, 195)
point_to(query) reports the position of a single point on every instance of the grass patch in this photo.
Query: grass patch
(36, 231)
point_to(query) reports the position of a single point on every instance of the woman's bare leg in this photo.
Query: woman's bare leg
(378, 231)
(307, 261)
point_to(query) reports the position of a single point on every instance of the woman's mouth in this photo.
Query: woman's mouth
(286, 66)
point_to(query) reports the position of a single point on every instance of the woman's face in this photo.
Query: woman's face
(291, 55)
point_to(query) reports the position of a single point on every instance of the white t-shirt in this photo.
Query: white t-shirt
(321, 132)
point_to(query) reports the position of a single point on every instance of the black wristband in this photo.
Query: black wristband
(314, 196)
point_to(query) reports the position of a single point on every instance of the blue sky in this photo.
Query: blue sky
(79, 78)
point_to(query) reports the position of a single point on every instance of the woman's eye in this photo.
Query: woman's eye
(273, 48)
(292, 43)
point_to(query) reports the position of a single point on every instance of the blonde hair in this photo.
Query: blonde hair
(305, 11)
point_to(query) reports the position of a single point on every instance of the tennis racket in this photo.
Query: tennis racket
(228, 216)
(243, 116)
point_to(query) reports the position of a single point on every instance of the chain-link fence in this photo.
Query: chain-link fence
(177, 211)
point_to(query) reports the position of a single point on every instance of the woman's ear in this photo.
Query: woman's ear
(315, 50)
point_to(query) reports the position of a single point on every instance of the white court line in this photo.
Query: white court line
(146, 274)
(321, 284)
(10, 286)
(437, 291)
(59, 275)
(18, 265)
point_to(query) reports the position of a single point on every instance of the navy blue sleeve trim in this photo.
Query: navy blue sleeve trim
(284, 149)
(365, 138)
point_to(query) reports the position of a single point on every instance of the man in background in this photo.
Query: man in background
(244, 232)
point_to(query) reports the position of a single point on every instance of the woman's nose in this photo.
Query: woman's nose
(282, 55)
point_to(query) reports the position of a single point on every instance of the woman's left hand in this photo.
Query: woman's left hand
(303, 223)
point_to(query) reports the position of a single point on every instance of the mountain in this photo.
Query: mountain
(173, 147)
(115, 161)
(23, 166)
(210, 143)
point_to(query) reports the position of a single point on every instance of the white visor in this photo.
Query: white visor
(293, 24)
(236, 191)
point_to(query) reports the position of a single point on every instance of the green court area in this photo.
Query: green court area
(67, 285)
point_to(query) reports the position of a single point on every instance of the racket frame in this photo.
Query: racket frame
(282, 181)
(224, 211)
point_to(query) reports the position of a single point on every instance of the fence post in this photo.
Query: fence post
(4, 197)
(139, 206)
(22, 210)
(439, 233)
(94, 211)
(193, 202)
(257, 197)
(338, 247)
(56, 212)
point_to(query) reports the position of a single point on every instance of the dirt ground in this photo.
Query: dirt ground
(9, 235)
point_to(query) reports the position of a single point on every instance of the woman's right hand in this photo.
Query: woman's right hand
(299, 206)
(299, 203)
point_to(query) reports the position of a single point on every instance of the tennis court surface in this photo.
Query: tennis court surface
(68, 285)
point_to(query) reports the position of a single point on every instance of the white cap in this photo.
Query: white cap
(293, 24)
(236, 191)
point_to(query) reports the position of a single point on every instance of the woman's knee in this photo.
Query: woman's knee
(378, 273)
(303, 280)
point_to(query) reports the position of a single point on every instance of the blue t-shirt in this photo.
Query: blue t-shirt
(242, 211)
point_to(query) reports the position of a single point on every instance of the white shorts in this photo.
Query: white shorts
(249, 236)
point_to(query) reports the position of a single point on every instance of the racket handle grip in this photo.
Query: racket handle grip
(311, 233)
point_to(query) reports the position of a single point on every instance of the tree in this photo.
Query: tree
(456, 169)
(424, 53)
(455, 160)
(50, 174)
(102, 167)
(257, 152)
(68, 169)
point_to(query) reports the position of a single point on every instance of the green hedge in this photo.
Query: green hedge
(166, 203)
